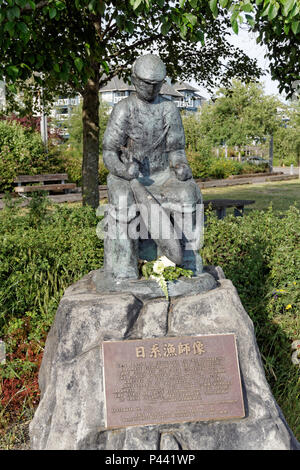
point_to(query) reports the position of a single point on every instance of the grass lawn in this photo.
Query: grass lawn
(281, 194)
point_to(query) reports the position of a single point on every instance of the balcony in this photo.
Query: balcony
(67, 102)
(185, 104)
(118, 98)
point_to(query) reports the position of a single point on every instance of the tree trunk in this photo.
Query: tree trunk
(90, 161)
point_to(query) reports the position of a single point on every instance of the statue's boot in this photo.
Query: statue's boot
(120, 251)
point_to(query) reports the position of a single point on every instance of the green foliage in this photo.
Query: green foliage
(223, 168)
(72, 161)
(75, 127)
(78, 50)
(42, 252)
(22, 152)
(287, 137)
(37, 208)
(219, 168)
(240, 114)
(260, 254)
(196, 138)
(200, 165)
(72, 149)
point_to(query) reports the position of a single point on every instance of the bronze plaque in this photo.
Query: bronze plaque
(172, 380)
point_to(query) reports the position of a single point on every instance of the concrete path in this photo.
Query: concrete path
(287, 170)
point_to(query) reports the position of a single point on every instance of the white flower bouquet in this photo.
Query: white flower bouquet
(163, 270)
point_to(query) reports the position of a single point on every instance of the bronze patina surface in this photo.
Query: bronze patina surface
(172, 380)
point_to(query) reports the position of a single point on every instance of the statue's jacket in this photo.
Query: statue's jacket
(151, 134)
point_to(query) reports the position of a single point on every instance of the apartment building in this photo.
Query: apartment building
(184, 95)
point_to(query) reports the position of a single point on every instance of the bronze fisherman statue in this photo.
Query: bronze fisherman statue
(144, 151)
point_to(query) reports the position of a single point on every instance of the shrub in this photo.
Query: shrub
(41, 256)
(22, 152)
(218, 168)
(200, 165)
(224, 167)
(72, 161)
(260, 254)
(42, 252)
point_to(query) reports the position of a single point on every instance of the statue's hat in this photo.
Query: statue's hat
(149, 67)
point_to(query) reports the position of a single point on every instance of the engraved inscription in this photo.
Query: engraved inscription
(171, 380)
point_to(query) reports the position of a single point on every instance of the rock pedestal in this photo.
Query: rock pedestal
(71, 412)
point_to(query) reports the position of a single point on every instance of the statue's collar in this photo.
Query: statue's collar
(145, 102)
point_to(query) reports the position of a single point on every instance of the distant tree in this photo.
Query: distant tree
(240, 115)
(75, 127)
(287, 136)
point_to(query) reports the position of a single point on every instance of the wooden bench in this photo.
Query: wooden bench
(220, 206)
(55, 182)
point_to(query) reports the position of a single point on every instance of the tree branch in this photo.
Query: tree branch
(38, 6)
(141, 42)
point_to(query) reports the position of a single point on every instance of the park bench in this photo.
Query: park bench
(220, 206)
(31, 183)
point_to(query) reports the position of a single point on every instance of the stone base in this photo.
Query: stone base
(150, 289)
(71, 411)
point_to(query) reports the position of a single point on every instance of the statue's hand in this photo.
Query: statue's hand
(183, 172)
(132, 170)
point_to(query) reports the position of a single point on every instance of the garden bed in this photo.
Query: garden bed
(44, 251)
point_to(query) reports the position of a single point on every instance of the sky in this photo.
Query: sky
(247, 42)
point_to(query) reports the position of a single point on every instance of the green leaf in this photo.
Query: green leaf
(136, 3)
(289, 4)
(9, 26)
(25, 66)
(266, 9)
(78, 63)
(129, 26)
(191, 18)
(21, 3)
(199, 36)
(247, 7)
(16, 11)
(32, 4)
(11, 13)
(52, 13)
(193, 3)
(296, 27)
(250, 20)
(31, 59)
(60, 5)
(105, 66)
(12, 70)
(235, 26)
(213, 4)
(223, 3)
(165, 28)
(183, 31)
(273, 10)
(286, 28)
(22, 27)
